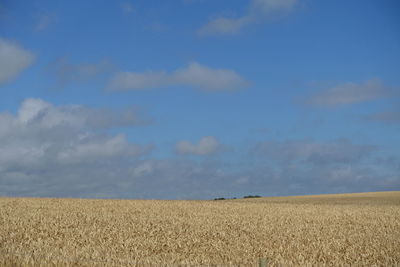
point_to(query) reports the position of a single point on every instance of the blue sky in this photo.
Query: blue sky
(197, 99)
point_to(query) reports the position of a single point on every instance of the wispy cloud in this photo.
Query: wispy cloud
(226, 26)
(194, 75)
(390, 117)
(206, 146)
(44, 21)
(13, 60)
(66, 73)
(349, 93)
(127, 7)
(189, 2)
(257, 11)
(316, 153)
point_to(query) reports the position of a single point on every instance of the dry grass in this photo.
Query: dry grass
(353, 229)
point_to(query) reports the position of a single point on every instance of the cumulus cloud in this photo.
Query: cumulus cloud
(41, 132)
(194, 75)
(317, 153)
(46, 149)
(349, 93)
(206, 146)
(13, 60)
(66, 73)
(257, 11)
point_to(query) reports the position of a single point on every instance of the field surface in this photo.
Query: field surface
(332, 230)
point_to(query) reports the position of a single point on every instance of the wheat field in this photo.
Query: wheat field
(332, 230)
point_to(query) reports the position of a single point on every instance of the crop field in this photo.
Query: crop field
(350, 229)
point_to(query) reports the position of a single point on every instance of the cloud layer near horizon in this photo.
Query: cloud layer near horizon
(66, 151)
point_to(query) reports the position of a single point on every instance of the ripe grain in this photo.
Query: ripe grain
(332, 230)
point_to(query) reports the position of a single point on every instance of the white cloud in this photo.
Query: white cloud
(48, 150)
(206, 146)
(13, 60)
(258, 10)
(226, 26)
(46, 115)
(206, 78)
(30, 108)
(194, 75)
(93, 148)
(41, 133)
(349, 93)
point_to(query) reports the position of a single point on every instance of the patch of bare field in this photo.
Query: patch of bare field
(350, 229)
